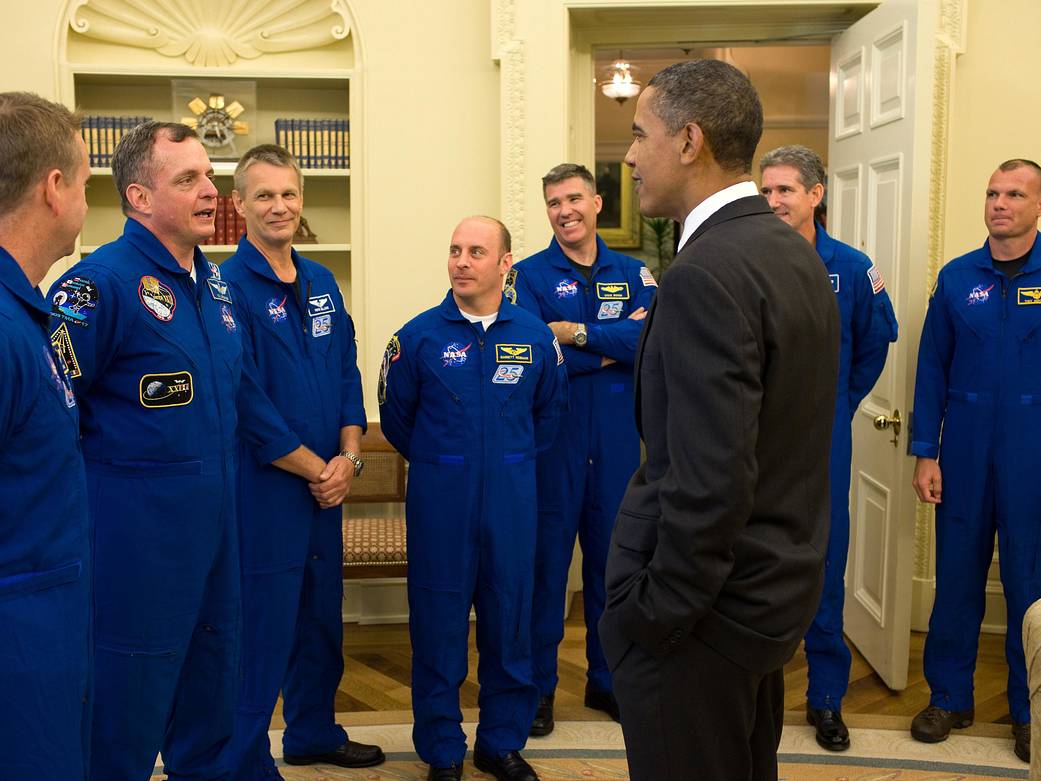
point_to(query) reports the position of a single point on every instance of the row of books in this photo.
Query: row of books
(316, 143)
(101, 134)
(229, 226)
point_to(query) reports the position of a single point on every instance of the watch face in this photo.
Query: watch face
(581, 337)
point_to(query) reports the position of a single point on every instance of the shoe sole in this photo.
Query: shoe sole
(923, 737)
(291, 760)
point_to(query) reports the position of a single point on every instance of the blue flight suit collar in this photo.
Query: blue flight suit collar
(449, 310)
(824, 244)
(604, 257)
(983, 258)
(258, 264)
(13, 278)
(149, 245)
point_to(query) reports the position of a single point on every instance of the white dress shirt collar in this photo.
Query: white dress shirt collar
(713, 204)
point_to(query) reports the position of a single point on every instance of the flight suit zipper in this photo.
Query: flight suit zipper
(197, 295)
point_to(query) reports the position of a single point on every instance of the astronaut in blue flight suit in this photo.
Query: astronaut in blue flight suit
(793, 183)
(298, 343)
(979, 381)
(157, 363)
(44, 542)
(594, 300)
(468, 392)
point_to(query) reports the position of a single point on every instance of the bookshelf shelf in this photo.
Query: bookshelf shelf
(324, 98)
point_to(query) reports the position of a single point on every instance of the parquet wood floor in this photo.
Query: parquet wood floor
(378, 668)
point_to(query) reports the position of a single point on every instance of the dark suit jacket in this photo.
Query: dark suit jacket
(723, 530)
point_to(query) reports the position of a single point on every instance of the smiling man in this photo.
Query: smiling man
(977, 421)
(716, 558)
(793, 183)
(594, 300)
(152, 346)
(298, 344)
(469, 392)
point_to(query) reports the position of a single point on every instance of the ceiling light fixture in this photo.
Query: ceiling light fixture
(619, 83)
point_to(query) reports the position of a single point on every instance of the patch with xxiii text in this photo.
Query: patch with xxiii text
(166, 389)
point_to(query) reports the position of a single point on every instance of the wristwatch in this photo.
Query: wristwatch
(355, 459)
(581, 337)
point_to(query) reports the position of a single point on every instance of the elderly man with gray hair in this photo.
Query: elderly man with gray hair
(793, 183)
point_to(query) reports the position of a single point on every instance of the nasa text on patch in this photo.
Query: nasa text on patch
(62, 341)
(1029, 296)
(74, 300)
(513, 353)
(219, 289)
(612, 291)
(320, 305)
(168, 389)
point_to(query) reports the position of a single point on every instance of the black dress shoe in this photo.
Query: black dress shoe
(831, 730)
(934, 724)
(509, 767)
(350, 754)
(602, 701)
(1021, 732)
(543, 723)
(453, 773)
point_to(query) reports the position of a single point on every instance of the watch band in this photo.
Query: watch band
(355, 459)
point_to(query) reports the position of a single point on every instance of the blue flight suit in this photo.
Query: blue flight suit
(44, 549)
(583, 476)
(469, 409)
(979, 377)
(157, 362)
(298, 343)
(868, 326)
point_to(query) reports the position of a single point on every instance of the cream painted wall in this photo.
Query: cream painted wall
(996, 111)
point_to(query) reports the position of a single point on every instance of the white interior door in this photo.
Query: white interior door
(881, 96)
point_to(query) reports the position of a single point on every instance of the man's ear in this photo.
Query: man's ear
(598, 201)
(139, 197)
(693, 142)
(51, 187)
(817, 194)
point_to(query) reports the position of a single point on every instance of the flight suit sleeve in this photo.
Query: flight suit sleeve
(551, 396)
(261, 425)
(89, 345)
(935, 351)
(873, 328)
(398, 394)
(352, 407)
(618, 340)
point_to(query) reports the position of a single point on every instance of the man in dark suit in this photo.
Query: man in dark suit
(717, 555)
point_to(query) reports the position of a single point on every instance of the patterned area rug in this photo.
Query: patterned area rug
(593, 751)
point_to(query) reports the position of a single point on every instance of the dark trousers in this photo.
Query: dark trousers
(695, 714)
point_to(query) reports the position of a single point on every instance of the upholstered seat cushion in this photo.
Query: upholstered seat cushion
(373, 540)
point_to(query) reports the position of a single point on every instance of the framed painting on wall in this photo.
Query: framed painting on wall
(619, 223)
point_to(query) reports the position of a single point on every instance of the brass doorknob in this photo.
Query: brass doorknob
(883, 422)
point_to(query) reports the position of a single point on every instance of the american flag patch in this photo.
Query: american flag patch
(648, 278)
(877, 283)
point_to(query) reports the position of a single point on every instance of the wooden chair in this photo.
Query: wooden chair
(374, 541)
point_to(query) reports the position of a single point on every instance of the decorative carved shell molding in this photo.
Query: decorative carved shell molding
(211, 34)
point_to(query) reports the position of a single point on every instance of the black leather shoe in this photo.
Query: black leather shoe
(1021, 732)
(543, 723)
(509, 767)
(453, 773)
(831, 730)
(350, 754)
(602, 701)
(934, 724)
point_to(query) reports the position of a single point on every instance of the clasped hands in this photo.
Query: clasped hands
(333, 483)
(565, 331)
